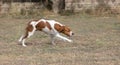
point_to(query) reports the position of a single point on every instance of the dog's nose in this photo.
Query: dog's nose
(72, 33)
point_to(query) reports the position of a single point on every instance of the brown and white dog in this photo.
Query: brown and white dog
(50, 27)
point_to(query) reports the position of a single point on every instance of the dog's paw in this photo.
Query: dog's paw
(71, 41)
(19, 40)
(24, 45)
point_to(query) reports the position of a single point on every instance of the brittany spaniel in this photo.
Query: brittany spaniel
(50, 27)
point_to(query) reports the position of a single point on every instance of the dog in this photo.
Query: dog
(50, 27)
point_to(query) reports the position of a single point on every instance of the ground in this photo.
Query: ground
(96, 42)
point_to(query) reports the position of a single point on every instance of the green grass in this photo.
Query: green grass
(96, 42)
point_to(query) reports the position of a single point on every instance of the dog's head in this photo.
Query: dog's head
(64, 29)
(67, 31)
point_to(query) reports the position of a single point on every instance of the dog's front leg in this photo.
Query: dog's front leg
(63, 38)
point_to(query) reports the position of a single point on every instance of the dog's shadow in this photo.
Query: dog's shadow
(38, 43)
(35, 43)
(27, 43)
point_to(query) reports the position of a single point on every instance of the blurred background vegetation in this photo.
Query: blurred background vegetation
(26, 8)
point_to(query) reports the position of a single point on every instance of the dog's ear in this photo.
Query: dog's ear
(59, 28)
(62, 29)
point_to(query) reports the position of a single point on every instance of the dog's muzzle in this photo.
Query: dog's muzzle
(71, 33)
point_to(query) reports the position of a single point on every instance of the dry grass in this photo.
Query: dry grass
(96, 42)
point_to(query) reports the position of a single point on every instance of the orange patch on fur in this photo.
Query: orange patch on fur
(29, 28)
(58, 27)
(40, 25)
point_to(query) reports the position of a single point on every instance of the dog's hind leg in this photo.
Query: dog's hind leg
(24, 38)
(20, 40)
(29, 32)
(27, 35)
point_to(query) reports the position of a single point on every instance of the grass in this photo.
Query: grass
(96, 42)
